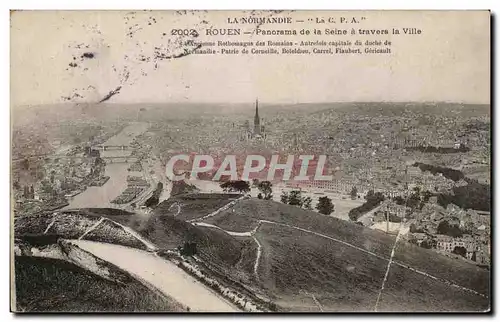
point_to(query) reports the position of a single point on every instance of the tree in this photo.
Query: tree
(372, 202)
(459, 250)
(259, 195)
(426, 195)
(399, 200)
(444, 228)
(266, 188)
(295, 198)
(284, 197)
(426, 244)
(273, 307)
(470, 227)
(189, 249)
(306, 203)
(414, 229)
(369, 194)
(236, 186)
(325, 205)
(413, 201)
(354, 193)
(152, 201)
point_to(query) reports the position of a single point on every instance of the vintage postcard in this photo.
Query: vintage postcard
(250, 161)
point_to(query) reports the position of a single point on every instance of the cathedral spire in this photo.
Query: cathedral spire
(256, 121)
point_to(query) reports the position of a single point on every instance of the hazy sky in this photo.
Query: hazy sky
(449, 61)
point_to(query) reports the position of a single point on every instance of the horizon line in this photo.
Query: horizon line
(253, 102)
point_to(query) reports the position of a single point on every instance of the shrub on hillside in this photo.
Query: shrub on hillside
(236, 186)
(372, 201)
(265, 187)
(295, 198)
(459, 250)
(449, 173)
(325, 205)
(472, 196)
(189, 249)
(444, 228)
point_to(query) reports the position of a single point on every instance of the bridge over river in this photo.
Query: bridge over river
(118, 156)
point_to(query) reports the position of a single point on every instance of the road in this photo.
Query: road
(164, 275)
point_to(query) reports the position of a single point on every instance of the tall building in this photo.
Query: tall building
(256, 122)
(258, 129)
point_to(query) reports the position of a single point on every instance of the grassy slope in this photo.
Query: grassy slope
(72, 225)
(408, 291)
(169, 232)
(244, 266)
(455, 270)
(105, 211)
(294, 260)
(345, 279)
(341, 277)
(164, 230)
(194, 205)
(247, 213)
(213, 244)
(51, 285)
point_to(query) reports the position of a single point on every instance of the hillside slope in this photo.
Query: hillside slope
(52, 285)
(340, 266)
(297, 259)
(245, 216)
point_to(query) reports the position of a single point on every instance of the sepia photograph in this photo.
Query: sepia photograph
(249, 161)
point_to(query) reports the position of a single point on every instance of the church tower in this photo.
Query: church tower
(256, 122)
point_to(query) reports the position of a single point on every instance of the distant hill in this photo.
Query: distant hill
(157, 111)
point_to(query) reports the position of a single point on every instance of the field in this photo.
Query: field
(51, 285)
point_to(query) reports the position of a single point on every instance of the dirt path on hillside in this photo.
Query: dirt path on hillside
(232, 233)
(164, 275)
(257, 258)
(250, 233)
(219, 210)
(389, 260)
